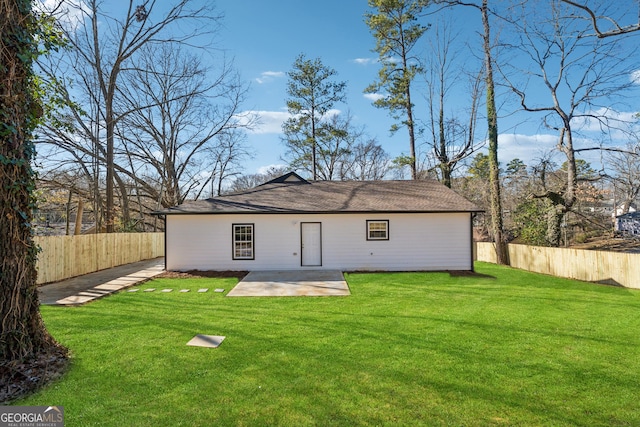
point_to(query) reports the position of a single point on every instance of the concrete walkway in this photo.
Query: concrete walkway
(291, 283)
(89, 287)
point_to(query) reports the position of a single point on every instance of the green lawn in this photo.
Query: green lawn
(503, 347)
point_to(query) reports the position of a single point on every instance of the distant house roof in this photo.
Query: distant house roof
(630, 216)
(292, 194)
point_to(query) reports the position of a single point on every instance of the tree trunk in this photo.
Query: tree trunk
(79, 213)
(492, 125)
(555, 215)
(110, 208)
(68, 214)
(125, 215)
(23, 335)
(412, 137)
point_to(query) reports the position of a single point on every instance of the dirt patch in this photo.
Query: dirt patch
(20, 379)
(199, 274)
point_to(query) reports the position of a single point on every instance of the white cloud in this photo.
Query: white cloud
(528, 148)
(373, 97)
(263, 122)
(605, 124)
(268, 76)
(69, 13)
(269, 122)
(365, 61)
(635, 77)
(332, 112)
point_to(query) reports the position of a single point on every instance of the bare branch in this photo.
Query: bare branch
(617, 29)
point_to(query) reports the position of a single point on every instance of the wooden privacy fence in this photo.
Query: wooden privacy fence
(68, 256)
(614, 268)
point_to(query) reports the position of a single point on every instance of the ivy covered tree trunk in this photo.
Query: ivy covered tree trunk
(23, 336)
(555, 216)
(492, 124)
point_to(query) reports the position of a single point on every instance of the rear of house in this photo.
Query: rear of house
(290, 224)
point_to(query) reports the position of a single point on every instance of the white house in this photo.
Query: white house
(628, 224)
(290, 223)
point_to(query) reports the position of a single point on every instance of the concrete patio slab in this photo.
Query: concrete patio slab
(291, 283)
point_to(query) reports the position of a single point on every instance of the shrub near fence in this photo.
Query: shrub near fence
(614, 268)
(69, 256)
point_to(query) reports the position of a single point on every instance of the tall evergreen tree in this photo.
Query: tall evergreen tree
(396, 30)
(312, 93)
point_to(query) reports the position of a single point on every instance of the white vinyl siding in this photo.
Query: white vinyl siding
(427, 241)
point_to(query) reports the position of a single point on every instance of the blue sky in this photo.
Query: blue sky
(264, 38)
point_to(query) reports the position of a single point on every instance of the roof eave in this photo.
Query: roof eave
(304, 212)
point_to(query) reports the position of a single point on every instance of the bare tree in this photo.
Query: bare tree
(626, 175)
(497, 227)
(103, 47)
(581, 79)
(343, 151)
(369, 162)
(229, 154)
(451, 141)
(179, 127)
(246, 182)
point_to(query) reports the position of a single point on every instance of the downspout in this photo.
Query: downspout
(471, 215)
(164, 218)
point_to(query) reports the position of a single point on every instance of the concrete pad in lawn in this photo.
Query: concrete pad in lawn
(291, 283)
(210, 341)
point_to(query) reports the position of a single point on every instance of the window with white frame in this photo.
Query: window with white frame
(243, 241)
(378, 229)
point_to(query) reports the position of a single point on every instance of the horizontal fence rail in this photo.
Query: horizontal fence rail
(62, 257)
(614, 268)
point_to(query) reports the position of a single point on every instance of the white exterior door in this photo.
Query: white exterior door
(311, 242)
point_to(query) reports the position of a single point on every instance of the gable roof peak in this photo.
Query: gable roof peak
(288, 178)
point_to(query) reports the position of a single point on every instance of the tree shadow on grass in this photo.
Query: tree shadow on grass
(471, 274)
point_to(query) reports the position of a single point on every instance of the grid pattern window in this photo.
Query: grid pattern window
(243, 241)
(377, 229)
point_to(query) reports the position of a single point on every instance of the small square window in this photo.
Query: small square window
(377, 229)
(243, 241)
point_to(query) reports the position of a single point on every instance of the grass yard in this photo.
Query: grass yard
(503, 347)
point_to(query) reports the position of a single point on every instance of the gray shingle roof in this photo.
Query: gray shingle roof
(333, 197)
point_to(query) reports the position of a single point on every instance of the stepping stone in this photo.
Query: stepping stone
(210, 341)
(219, 290)
(167, 290)
(150, 290)
(203, 290)
(184, 290)
(133, 290)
